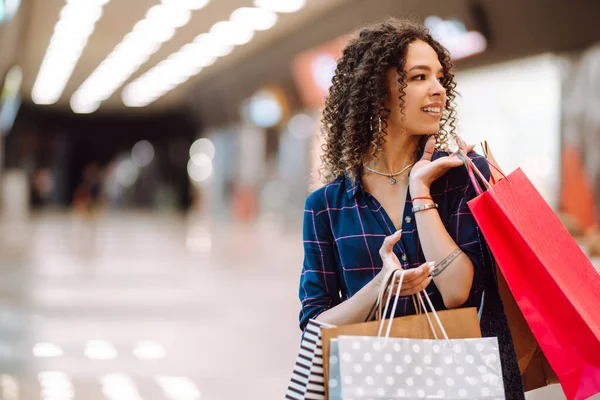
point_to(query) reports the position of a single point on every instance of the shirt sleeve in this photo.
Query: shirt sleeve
(319, 282)
(465, 232)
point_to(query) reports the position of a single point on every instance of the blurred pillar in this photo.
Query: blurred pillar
(251, 170)
(580, 192)
(14, 194)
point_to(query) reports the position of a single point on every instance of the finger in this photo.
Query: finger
(415, 284)
(422, 286)
(425, 283)
(388, 243)
(416, 289)
(415, 274)
(429, 148)
(393, 286)
(453, 160)
(428, 266)
(471, 148)
(442, 164)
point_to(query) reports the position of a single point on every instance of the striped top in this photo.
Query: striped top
(344, 227)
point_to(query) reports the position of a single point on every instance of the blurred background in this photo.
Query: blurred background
(155, 157)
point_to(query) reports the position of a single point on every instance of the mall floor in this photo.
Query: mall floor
(148, 306)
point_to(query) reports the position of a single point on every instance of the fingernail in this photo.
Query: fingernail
(398, 232)
(431, 263)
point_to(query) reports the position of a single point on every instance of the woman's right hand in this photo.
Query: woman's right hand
(415, 279)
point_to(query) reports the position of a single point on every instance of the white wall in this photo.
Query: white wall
(515, 106)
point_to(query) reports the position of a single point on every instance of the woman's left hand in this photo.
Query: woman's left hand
(425, 171)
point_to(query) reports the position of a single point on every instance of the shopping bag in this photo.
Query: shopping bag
(533, 365)
(334, 383)
(384, 367)
(554, 284)
(306, 382)
(315, 390)
(459, 323)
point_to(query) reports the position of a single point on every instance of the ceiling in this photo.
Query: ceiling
(517, 29)
(119, 16)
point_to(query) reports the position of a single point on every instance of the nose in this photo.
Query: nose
(437, 89)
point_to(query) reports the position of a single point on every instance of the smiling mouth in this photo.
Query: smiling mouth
(432, 110)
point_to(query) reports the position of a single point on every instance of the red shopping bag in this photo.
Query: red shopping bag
(553, 282)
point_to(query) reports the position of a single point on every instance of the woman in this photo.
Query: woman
(391, 199)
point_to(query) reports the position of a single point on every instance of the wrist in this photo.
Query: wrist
(419, 189)
(378, 279)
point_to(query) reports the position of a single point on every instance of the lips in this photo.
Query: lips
(433, 109)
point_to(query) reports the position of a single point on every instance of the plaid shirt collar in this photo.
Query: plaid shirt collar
(353, 187)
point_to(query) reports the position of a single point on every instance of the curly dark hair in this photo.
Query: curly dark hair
(359, 92)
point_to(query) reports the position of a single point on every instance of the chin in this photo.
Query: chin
(426, 132)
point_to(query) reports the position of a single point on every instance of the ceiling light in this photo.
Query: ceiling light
(212, 46)
(148, 349)
(187, 4)
(172, 71)
(175, 388)
(88, 2)
(135, 49)
(231, 33)
(178, 79)
(119, 387)
(71, 33)
(100, 349)
(195, 56)
(280, 6)
(55, 385)
(169, 15)
(47, 350)
(81, 106)
(257, 19)
(203, 146)
(199, 167)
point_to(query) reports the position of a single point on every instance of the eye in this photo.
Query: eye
(442, 80)
(420, 77)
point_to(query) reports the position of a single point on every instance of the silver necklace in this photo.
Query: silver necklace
(391, 176)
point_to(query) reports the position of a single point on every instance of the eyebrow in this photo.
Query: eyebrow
(425, 67)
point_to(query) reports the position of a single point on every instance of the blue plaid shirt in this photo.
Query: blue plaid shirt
(344, 227)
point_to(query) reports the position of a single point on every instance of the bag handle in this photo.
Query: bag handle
(395, 304)
(486, 154)
(471, 169)
(376, 312)
(387, 303)
(419, 306)
(376, 309)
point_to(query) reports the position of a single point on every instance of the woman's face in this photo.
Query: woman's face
(425, 97)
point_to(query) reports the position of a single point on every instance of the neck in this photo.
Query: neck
(398, 151)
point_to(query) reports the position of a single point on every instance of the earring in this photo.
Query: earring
(371, 124)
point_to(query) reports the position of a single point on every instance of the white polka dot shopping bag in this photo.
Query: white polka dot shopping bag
(383, 367)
